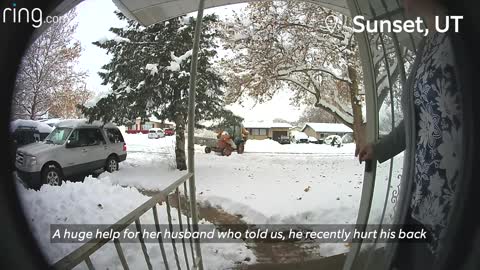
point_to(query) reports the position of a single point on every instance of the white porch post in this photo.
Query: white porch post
(191, 129)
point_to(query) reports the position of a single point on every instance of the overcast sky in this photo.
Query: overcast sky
(95, 17)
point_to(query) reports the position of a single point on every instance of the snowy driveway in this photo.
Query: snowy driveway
(276, 184)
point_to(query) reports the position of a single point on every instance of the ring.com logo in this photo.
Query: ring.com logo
(33, 16)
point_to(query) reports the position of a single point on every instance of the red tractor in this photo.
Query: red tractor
(225, 143)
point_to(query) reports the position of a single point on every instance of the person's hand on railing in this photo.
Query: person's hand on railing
(364, 152)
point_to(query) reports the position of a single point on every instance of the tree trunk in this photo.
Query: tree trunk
(180, 156)
(34, 107)
(358, 125)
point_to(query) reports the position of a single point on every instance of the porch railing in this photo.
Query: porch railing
(192, 259)
(82, 254)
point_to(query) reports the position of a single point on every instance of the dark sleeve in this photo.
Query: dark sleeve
(390, 145)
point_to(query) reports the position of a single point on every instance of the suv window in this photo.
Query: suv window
(114, 135)
(96, 137)
(58, 135)
(87, 137)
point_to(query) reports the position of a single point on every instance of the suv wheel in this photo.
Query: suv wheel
(52, 176)
(112, 164)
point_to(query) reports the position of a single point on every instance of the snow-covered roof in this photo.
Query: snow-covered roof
(266, 125)
(328, 127)
(75, 123)
(281, 125)
(156, 120)
(299, 135)
(40, 126)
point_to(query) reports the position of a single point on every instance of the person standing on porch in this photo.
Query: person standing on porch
(431, 134)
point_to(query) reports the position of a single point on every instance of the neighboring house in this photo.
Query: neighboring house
(322, 130)
(267, 130)
(145, 125)
(295, 128)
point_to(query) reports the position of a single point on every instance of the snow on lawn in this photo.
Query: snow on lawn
(140, 143)
(269, 183)
(265, 187)
(263, 146)
(282, 188)
(101, 202)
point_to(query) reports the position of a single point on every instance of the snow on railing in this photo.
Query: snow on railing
(83, 253)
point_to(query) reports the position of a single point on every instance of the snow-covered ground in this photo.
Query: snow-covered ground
(99, 201)
(270, 146)
(269, 183)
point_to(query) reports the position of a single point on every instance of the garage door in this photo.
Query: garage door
(276, 135)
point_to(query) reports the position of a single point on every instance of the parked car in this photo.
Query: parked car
(155, 133)
(299, 137)
(313, 140)
(73, 148)
(333, 140)
(29, 131)
(284, 140)
(169, 132)
(25, 132)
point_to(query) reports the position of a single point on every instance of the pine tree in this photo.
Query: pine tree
(149, 75)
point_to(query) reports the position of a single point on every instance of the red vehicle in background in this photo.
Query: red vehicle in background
(169, 132)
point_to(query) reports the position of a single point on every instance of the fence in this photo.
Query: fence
(190, 255)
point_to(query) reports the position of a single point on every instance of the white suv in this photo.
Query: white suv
(74, 148)
(155, 133)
